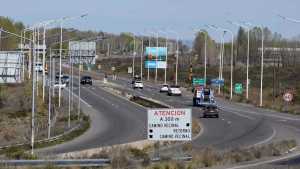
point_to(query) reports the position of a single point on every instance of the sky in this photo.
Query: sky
(143, 16)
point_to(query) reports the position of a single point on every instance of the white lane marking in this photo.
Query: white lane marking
(266, 114)
(81, 99)
(229, 122)
(236, 113)
(268, 139)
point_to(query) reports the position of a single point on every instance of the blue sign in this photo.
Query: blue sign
(156, 51)
(217, 82)
(152, 64)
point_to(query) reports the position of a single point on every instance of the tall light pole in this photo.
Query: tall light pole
(33, 94)
(49, 95)
(231, 58)
(248, 54)
(221, 58)
(165, 79)
(205, 52)
(148, 68)
(262, 62)
(156, 58)
(177, 53)
(61, 21)
(142, 54)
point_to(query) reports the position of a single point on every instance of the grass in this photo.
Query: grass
(20, 152)
(146, 103)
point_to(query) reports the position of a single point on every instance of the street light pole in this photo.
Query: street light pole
(221, 54)
(248, 55)
(148, 68)
(33, 93)
(205, 53)
(262, 64)
(156, 58)
(49, 95)
(165, 80)
(60, 55)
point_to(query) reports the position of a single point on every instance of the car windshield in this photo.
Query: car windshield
(175, 86)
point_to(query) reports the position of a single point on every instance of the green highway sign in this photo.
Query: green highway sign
(198, 81)
(238, 88)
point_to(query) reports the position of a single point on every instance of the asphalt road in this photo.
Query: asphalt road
(114, 121)
(239, 125)
(117, 121)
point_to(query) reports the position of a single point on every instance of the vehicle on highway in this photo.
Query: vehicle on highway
(136, 78)
(57, 75)
(203, 97)
(138, 84)
(86, 80)
(211, 110)
(65, 79)
(39, 67)
(61, 85)
(174, 90)
(164, 88)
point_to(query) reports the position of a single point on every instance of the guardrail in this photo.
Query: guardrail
(71, 162)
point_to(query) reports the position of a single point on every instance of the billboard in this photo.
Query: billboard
(152, 64)
(84, 50)
(10, 66)
(169, 124)
(152, 52)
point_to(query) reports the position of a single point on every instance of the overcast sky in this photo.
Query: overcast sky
(140, 15)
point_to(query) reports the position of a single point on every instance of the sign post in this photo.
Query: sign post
(169, 124)
(287, 97)
(199, 81)
(238, 88)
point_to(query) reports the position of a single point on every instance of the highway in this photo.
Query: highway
(117, 121)
(114, 121)
(239, 124)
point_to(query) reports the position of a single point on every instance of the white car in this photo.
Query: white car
(164, 88)
(174, 90)
(138, 84)
(62, 85)
(39, 67)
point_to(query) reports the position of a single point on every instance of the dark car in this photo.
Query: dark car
(211, 110)
(65, 79)
(86, 80)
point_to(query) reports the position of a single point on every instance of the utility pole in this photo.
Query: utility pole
(44, 57)
(78, 115)
(142, 53)
(49, 96)
(156, 58)
(60, 55)
(33, 93)
(69, 108)
(148, 69)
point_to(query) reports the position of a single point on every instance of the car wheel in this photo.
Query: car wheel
(217, 116)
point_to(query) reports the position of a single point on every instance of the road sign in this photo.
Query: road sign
(129, 70)
(199, 81)
(217, 82)
(152, 64)
(113, 68)
(238, 88)
(288, 97)
(169, 124)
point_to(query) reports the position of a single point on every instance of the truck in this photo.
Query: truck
(203, 97)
